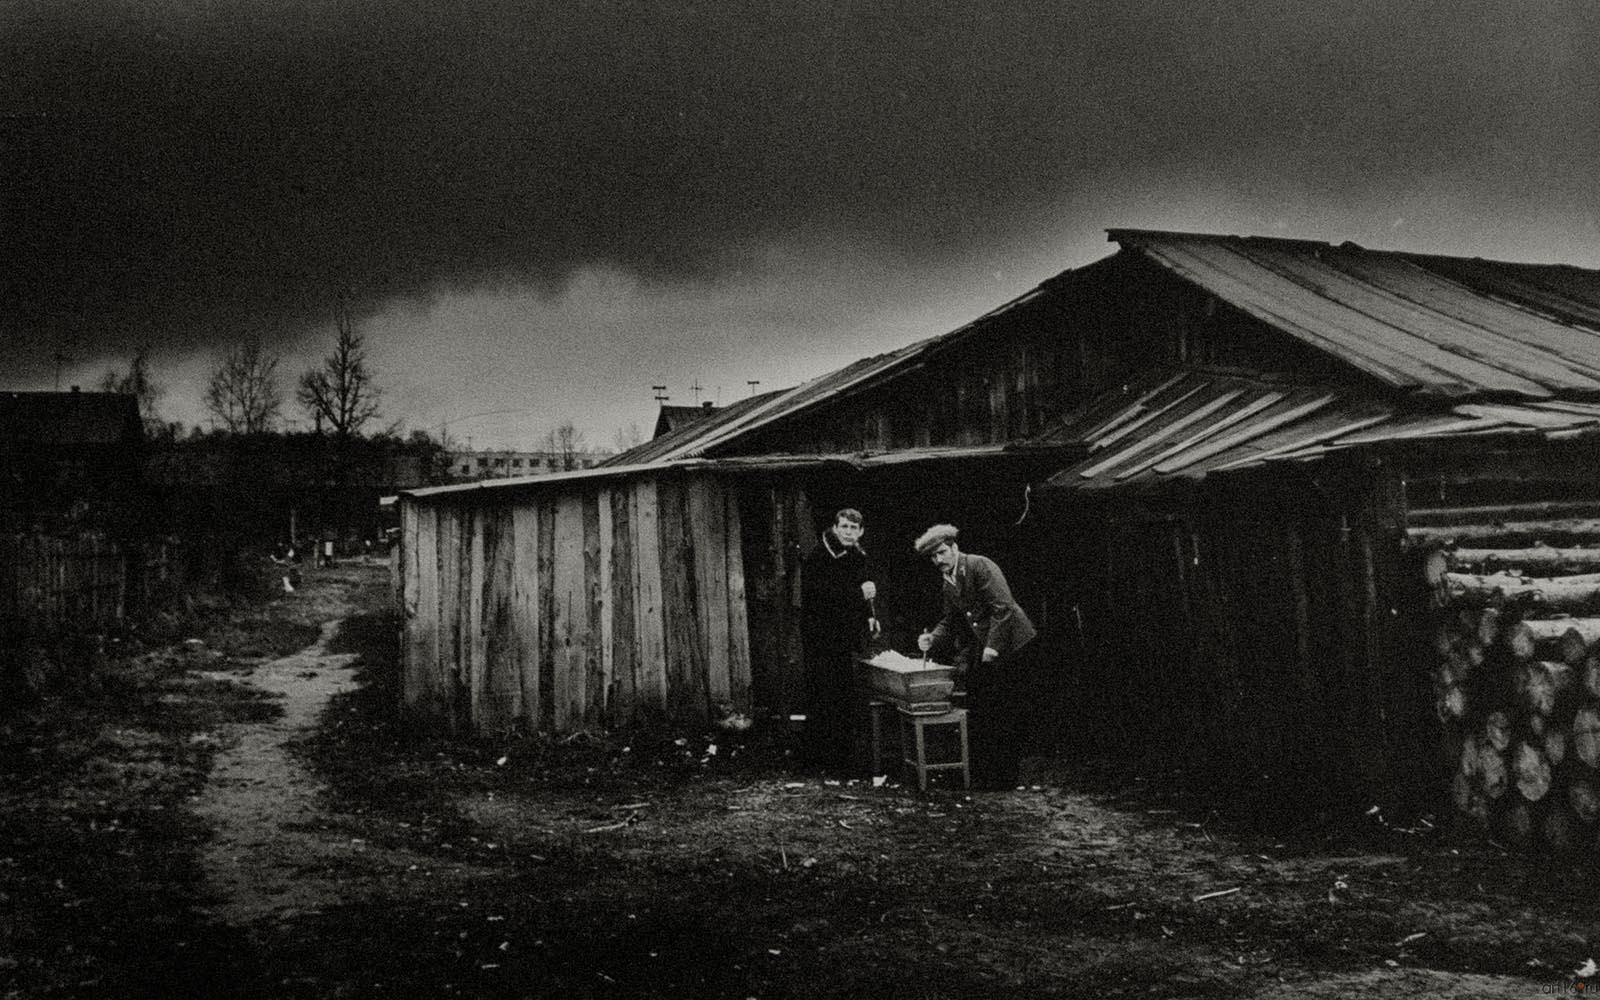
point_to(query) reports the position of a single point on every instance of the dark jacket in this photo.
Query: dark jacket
(833, 613)
(978, 606)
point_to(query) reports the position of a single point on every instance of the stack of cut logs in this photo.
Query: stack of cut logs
(1517, 684)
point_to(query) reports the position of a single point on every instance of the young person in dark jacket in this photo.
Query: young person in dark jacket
(836, 617)
(984, 629)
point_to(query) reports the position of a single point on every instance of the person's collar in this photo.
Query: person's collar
(830, 540)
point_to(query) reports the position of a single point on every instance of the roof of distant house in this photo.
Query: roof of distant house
(63, 419)
(672, 418)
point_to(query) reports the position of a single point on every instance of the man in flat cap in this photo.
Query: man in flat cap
(983, 625)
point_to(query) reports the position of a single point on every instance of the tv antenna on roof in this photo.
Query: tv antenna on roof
(660, 393)
(697, 387)
(752, 383)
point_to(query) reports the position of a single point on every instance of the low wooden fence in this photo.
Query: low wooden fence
(86, 582)
(48, 582)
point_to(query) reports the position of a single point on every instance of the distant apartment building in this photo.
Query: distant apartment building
(503, 464)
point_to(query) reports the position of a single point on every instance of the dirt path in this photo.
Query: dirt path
(263, 804)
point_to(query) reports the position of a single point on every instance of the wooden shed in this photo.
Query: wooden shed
(578, 601)
(1203, 462)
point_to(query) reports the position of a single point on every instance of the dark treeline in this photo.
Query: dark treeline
(270, 489)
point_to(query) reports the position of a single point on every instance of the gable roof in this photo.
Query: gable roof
(1452, 329)
(67, 419)
(1446, 327)
(1470, 347)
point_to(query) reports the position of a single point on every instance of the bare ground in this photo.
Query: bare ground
(248, 821)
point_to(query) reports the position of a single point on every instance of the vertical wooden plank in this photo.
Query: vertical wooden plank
(397, 580)
(797, 541)
(649, 625)
(551, 650)
(759, 577)
(406, 549)
(572, 614)
(606, 606)
(738, 619)
(442, 679)
(525, 607)
(476, 520)
(708, 539)
(406, 546)
(594, 648)
(623, 694)
(423, 656)
(501, 701)
(681, 615)
(461, 677)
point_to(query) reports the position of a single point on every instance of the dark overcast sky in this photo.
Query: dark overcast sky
(545, 208)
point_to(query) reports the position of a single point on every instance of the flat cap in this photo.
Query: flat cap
(935, 537)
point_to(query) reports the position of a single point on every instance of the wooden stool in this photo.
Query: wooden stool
(914, 750)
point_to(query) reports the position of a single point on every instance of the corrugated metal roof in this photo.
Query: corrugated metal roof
(1190, 423)
(1437, 326)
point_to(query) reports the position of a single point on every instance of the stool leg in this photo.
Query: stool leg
(922, 758)
(966, 759)
(876, 726)
(904, 749)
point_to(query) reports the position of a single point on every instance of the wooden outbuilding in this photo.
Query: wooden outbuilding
(1202, 462)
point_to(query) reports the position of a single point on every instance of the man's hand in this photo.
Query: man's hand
(925, 641)
(869, 590)
(989, 655)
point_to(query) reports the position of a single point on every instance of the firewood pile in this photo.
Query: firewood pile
(1517, 680)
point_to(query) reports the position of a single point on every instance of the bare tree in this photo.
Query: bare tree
(244, 395)
(137, 382)
(627, 437)
(565, 442)
(340, 394)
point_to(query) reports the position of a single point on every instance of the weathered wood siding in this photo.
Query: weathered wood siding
(775, 524)
(1262, 631)
(574, 608)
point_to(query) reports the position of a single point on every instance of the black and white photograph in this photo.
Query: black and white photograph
(754, 501)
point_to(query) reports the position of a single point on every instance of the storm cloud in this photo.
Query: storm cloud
(180, 173)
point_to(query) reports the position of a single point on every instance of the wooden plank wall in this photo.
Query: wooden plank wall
(1261, 641)
(775, 526)
(617, 604)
